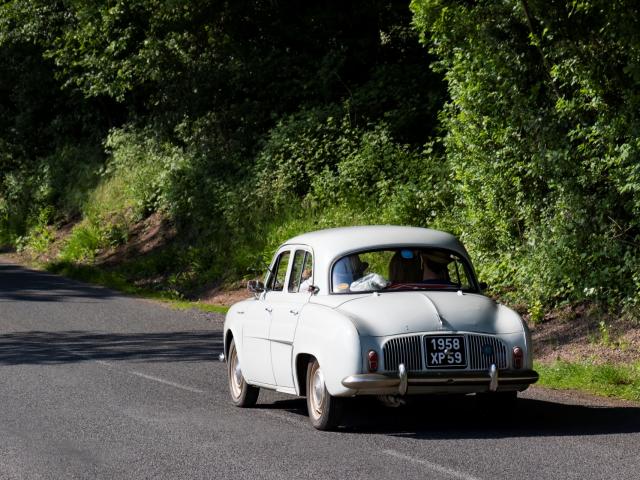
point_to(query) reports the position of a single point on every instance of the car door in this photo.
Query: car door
(286, 306)
(256, 352)
(256, 358)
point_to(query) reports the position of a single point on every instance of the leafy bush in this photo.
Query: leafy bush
(40, 235)
(540, 136)
(83, 244)
(139, 172)
(53, 190)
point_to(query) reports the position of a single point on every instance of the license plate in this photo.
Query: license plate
(446, 351)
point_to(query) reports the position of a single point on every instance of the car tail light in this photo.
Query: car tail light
(517, 357)
(373, 360)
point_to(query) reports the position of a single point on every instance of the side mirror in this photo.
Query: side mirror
(255, 286)
(483, 286)
(313, 289)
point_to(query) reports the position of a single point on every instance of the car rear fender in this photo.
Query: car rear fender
(510, 321)
(332, 339)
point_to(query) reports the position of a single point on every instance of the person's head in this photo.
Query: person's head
(357, 266)
(346, 270)
(306, 274)
(404, 267)
(432, 269)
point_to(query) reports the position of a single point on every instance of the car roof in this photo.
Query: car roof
(347, 239)
(331, 243)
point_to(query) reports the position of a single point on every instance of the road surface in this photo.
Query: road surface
(94, 384)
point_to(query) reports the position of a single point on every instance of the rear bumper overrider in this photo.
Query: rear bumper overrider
(440, 382)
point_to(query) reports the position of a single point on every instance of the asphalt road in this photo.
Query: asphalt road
(94, 384)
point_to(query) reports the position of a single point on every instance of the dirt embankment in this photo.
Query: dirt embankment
(586, 333)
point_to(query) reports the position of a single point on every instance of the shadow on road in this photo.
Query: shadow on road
(20, 284)
(47, 348)
(446, 418)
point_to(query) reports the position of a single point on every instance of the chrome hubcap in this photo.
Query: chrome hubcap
(236, 379)
(317, 392)
(238, 373)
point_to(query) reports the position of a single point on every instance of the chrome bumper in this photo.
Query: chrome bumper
(489, 380)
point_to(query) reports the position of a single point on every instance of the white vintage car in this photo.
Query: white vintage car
(374, 310)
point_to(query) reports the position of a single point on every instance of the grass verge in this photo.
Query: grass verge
(115, 281)
(610, 380)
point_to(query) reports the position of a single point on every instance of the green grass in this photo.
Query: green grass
(116, 281)
(204, 307)
(610, 380)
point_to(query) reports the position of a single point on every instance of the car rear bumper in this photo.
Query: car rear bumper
(440, 382)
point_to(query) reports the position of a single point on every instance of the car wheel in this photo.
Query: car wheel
(242, 394)
(325, 410)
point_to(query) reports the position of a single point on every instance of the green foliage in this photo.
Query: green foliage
(140, 174)
(393, 183)
(605, 338)
(83, 244)
(40, 234)
(318, 170)
(541, 134)
(33, 197)
(244, 123)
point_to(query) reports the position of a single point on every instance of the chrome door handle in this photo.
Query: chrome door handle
(268, 309)
(294, 312)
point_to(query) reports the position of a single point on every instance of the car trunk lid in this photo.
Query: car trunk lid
(394, 313)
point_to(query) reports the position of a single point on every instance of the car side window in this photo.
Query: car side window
(301, 272)
(458, 275)
(279, 272)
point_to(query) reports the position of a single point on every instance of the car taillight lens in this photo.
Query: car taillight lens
(373, 360)
(517, 357)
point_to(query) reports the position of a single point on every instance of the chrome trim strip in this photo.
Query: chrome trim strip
(371, 381)
(456, 379)
(448, 381)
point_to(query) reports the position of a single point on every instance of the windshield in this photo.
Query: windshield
(401, 269)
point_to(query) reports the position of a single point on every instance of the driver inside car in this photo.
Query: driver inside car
(433, 271)
(346, 271)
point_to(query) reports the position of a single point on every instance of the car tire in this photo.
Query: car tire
(242, 394)
(325, 410)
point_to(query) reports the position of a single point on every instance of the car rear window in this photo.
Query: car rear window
(401, 269)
